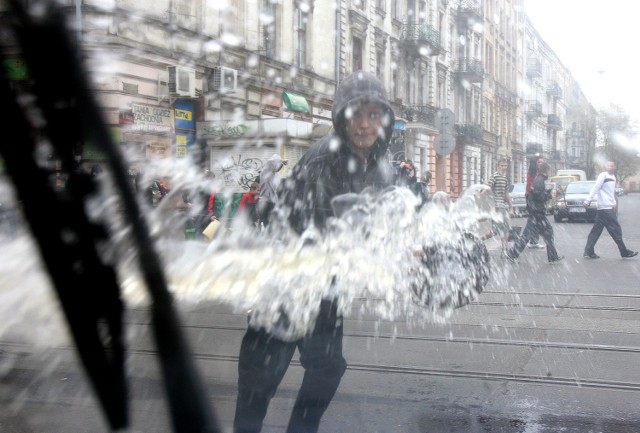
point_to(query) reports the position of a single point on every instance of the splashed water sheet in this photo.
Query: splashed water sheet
(408, 263)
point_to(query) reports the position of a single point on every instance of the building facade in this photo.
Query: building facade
(227, 84)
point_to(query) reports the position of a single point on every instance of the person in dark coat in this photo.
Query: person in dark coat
(532, 172)
(200, 202)
(537, 222)
(349, 159)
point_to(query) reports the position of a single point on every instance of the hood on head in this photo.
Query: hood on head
(357, 88)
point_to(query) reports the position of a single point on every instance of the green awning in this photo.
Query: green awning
(295, 102)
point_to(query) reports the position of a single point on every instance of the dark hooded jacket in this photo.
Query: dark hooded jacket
(329, 169)
(537, 200)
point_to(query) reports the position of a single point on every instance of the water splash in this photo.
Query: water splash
(406, 263)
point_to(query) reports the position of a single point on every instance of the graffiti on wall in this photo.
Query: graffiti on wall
(238, 171)
(222, 130)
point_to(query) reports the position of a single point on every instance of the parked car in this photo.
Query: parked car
(580, 174)
(570, 205)
(562, 182)
(620, 191)
(519, 201)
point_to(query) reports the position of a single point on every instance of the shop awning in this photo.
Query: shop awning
(295, 102)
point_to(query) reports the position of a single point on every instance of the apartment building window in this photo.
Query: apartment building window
(381, 5)
(409, 88)
(359, 4)
(301, 38)
(356, 53)
(380, 65)
(395, 9)
(394, 87)
(268, 31)
(422, 84)
(442, 89)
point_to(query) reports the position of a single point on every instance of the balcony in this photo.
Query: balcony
(469, 132)
(534, 68)
(534, 148)
(469, 14)
(554, 122)
(421, 39)
(533, 108)
(469, 69)
(419, 113)
(506, 94)
(554, 90)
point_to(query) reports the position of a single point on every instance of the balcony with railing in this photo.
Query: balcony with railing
(533, 108)
(469, 13)
(421, 39)
(506, 94)
(419, 113)
(469, 132)
(469, 69)
(554, 90)
(554, 122)
(534, 68)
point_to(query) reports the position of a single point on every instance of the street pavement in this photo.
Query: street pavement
(546, 348)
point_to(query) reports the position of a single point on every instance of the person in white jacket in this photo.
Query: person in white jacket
(604, 192)
(269, 181)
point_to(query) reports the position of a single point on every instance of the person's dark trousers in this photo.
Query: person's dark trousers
(265, 212)
(537, 225)
(535, 238)
(605, 218)
(264, 360)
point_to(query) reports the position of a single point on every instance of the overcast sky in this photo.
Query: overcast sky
(596, 40)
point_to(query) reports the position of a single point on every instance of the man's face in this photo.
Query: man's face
(502, 167)
(364, 124)
(610, 167)
(540, 161)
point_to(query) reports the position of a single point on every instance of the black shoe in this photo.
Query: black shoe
(559, 259)
(630, 253)
(591, 256)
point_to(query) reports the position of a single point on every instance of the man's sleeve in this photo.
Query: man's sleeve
(596, 187)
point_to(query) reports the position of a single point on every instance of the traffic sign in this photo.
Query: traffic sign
(444, 144)
(444, 120)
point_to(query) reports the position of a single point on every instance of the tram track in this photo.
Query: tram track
(546, 380)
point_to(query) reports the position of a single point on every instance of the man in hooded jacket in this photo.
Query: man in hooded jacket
(347, 160)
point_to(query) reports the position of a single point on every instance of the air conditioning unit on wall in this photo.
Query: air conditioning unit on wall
(182, 81)
(223, 80)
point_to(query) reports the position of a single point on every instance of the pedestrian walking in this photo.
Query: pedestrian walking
(349, 159)
(500, 186)
(269, 181)
(537, 222)
(199, 202)
(532, 172)
(606, 216)
(248, 204)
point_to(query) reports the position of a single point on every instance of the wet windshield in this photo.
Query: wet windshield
(579, 187)
(267, 215)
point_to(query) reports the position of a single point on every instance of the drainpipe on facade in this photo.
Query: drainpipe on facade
(338, 38)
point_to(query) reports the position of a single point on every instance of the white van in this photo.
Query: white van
(580, 174)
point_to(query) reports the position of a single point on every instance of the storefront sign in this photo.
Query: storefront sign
(152, 119)
(183, 113)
